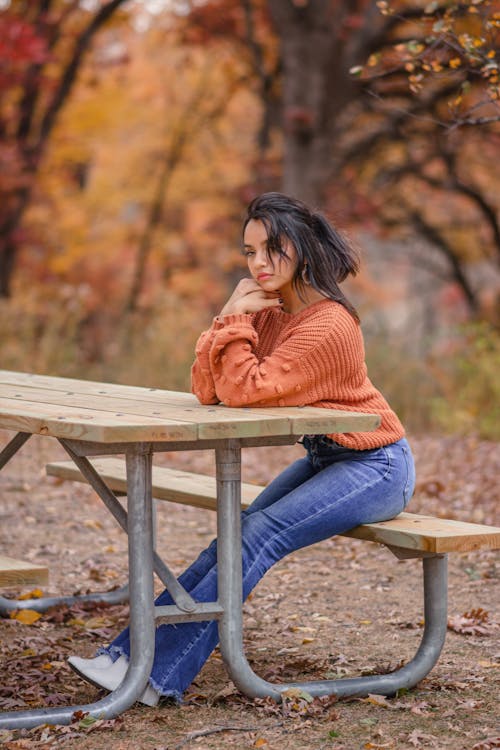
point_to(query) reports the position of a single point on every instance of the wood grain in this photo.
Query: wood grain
(104, 412)
(19, 574)
(407, 531)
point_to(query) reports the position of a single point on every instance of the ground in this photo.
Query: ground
(342, 607)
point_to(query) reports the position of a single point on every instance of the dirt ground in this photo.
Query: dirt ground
(340, 608)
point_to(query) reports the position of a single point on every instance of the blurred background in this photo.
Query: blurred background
(133, 135)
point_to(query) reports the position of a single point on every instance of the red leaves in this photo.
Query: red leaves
(19, 42)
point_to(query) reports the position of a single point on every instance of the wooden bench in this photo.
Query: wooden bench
(407, 535)
(16, 573)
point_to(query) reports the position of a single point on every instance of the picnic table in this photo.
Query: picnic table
(101, 419)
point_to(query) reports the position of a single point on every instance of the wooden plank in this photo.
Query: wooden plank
(19, 574)
(210, 421)
(429, 534)
(73, 385)
(216, 421)
(408, 530)
(94, 426)
(172, 485)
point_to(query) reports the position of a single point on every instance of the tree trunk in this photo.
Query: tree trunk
(316, 88)
(7, 259)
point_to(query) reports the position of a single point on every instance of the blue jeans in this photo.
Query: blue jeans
(330, 490)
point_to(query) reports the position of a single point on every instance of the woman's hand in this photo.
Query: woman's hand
(249, 297)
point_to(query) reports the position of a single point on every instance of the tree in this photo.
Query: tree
(372, 98)
(430, 124)
(42, 48)
(452, 46)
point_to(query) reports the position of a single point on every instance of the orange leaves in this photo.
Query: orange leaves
(474, 622)
(34, 594)
(449, 46)
(260, 742)
(25, 616)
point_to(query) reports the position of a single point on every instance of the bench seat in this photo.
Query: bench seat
(408, 531)
(16, 573)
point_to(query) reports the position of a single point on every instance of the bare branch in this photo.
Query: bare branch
(69, 76)
(436, 239)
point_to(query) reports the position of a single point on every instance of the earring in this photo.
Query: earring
(305, 275)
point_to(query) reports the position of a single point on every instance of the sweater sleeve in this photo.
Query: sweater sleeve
(202, 382)
(288, 377)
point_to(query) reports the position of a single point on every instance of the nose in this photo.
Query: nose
(261, 258)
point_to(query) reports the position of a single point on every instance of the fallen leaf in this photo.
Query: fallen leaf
(26, 616)
(474, 622)
(92, 523)
(418, 738)
(34, 594)
(377, 700)
(489, 744)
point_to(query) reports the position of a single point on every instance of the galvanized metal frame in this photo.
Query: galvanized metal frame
(228, 608)
(230, 598)
(142, 624)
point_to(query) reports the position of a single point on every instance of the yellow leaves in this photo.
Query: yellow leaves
(26, 616)
(376, 700)
(302, 629)
(33, 594)
(76, 622)
(91, 523)
(260, 742)
(455, 62)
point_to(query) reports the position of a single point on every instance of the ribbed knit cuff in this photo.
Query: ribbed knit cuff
(232, 319)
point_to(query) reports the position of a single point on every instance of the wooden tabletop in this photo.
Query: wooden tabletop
(109, 413)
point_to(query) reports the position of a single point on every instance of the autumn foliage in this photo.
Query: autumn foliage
(131, 142)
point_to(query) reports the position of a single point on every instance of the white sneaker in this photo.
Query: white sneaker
(103, 661)
(104, 673)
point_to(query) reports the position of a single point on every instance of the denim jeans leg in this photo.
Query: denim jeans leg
(361, 487)
(291, 477)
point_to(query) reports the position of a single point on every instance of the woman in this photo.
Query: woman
(287, 336)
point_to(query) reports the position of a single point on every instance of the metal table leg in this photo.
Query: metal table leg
(142, 621)
(231, 622)
(117, 596)
(42, 604)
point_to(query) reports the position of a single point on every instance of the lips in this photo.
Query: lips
(263, 276)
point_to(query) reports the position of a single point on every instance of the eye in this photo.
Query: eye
(248, 253)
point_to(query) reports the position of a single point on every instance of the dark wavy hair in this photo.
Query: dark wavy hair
(324, 255)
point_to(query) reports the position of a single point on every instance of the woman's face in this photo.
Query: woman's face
(270, 270)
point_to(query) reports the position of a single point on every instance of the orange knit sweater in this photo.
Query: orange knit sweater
(273, 358)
